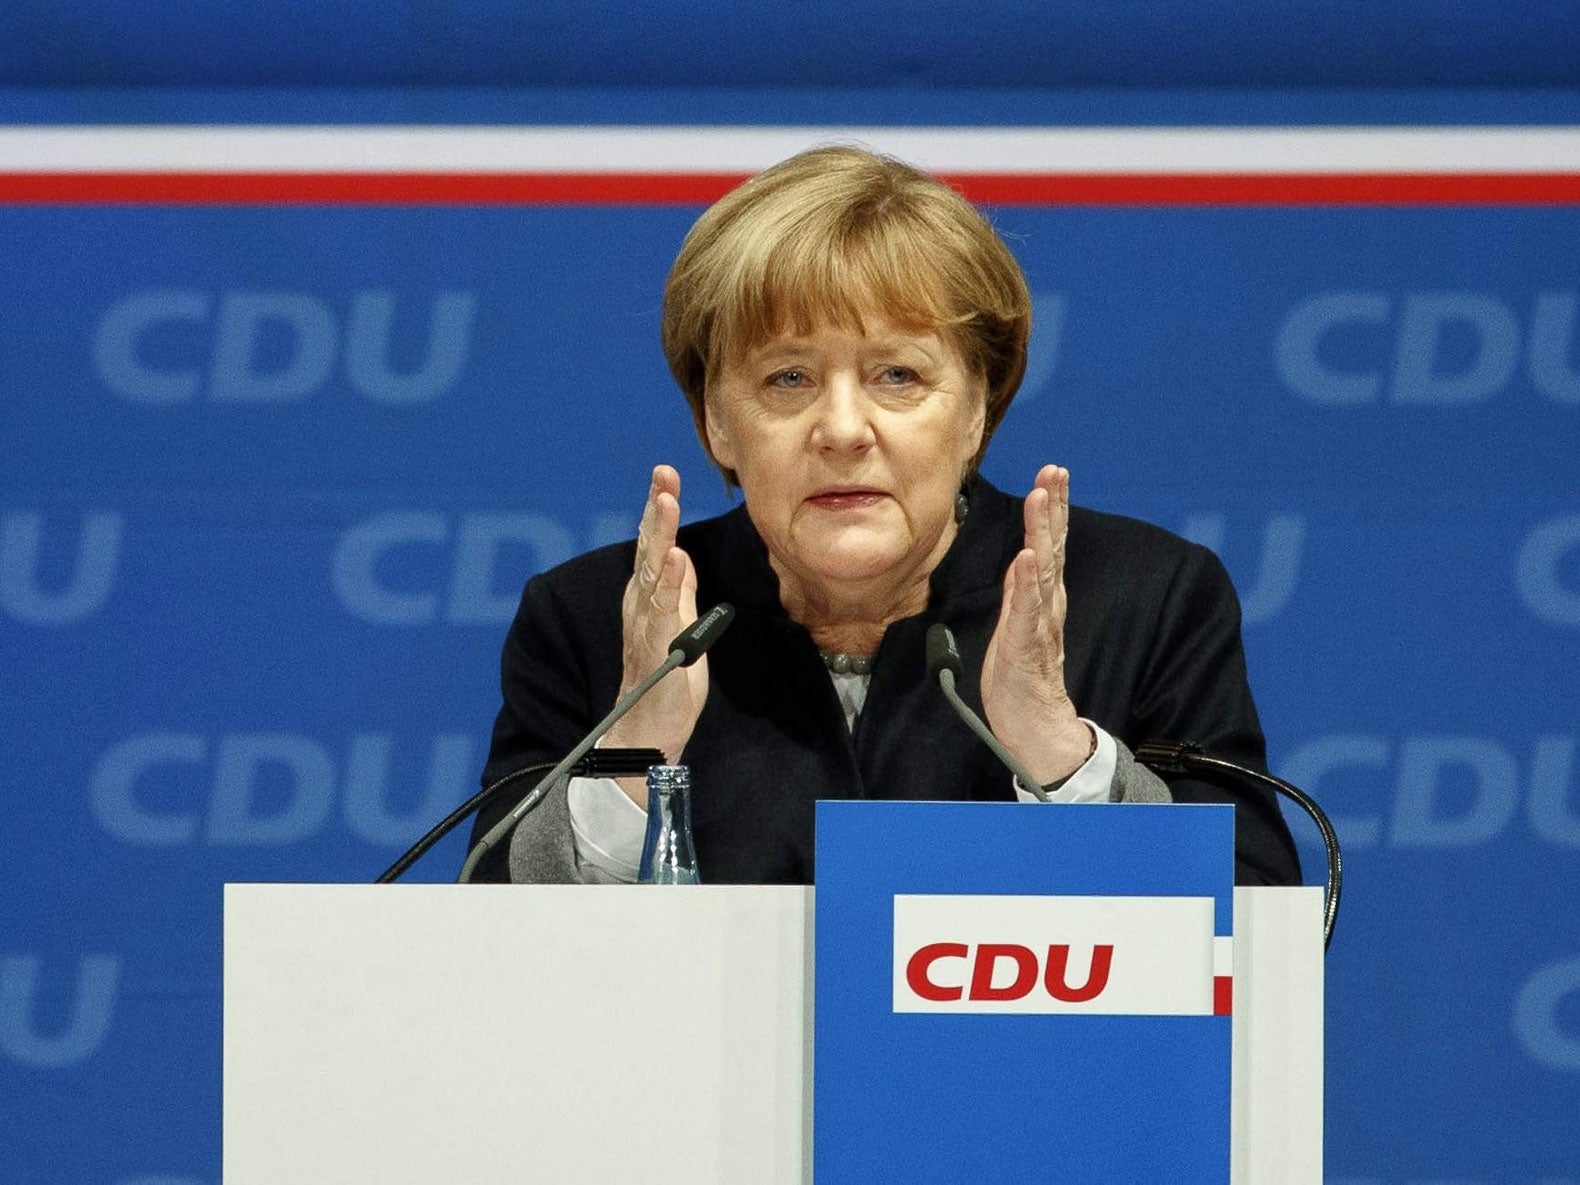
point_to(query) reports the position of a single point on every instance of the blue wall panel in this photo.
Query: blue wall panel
(271, 479)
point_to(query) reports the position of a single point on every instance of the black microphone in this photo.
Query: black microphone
(599, 763)
(942, 653)
(694, 640)
(1177, 757)
(689, 645)
(944, 667)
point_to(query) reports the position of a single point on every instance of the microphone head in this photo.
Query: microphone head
(694, 640)
(942, 653)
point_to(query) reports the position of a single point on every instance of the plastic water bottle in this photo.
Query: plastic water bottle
(668, 855)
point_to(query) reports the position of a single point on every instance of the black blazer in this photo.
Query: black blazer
(1152, 650)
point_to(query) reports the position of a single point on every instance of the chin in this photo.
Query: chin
(854, 563)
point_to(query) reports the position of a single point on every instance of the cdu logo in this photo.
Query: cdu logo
(1546, 1001)
(1547, 571)
(1109, 956)
(57, 576)
(481, 562)
(27, 995)
(174, 345)
(1277, 568)
(1042, 352)
(1349, 349)
(1027, 972)
(1442, 791)
(257, 789)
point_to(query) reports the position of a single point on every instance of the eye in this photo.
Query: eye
(897, 376)
(790, 378)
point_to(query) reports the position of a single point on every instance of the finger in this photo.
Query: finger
(1039, 538)
(1059, 517)
(666, 524)
(1047, 517)
(688, 592)
(668, 590)
(644, 570)
(666, 508)
(660, 523)
(1022, 609)
(1054, 601)
(1059, 508)
(660, 571)
(667, 479)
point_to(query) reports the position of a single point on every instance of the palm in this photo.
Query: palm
(660, 600)
(1023, 690)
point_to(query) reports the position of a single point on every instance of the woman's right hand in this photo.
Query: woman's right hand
(660, 601)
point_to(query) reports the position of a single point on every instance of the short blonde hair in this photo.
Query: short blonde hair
(831, 234)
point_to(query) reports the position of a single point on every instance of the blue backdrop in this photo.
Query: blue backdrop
(272, 479)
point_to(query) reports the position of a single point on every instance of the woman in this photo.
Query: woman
(849, 333)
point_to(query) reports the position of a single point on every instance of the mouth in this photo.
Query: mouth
(838, 498)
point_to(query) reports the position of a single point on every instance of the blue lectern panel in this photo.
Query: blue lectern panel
(1018, 1085)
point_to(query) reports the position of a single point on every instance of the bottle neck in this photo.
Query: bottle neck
(668, 856)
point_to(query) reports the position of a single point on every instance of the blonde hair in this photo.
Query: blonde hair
(827, 236)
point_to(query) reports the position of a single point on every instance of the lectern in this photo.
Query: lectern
(498, 1033)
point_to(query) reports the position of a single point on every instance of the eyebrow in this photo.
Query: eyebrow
(799, 347)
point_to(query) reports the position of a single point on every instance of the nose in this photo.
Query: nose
(844, 417)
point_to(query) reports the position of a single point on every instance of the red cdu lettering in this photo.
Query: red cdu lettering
(988, 955)
(916, 970)
(1096, 978)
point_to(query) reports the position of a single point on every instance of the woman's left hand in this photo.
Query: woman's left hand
(1023, 692)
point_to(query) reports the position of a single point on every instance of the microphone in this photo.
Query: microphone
(1179, 757)
(599, 763)
(944, 667)
(689, 645)
(693, 641)
(1175, 757)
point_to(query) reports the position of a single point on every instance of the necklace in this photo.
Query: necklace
(847, 664)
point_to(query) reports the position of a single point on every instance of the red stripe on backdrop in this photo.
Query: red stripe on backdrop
(1275, 189)
(365, 189)
(1222, 995)
(645, 189)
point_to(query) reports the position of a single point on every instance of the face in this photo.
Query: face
(850, 449)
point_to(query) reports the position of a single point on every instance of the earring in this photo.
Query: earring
(962, 507)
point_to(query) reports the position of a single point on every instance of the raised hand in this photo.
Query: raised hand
(1023, 692)
(660, 601)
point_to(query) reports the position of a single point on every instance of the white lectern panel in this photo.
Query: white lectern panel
(485, 1033)
(567, 1034)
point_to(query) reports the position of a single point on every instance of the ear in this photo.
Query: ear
(976, 420)
(720, 442)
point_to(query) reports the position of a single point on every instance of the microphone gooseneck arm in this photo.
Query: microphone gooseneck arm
(1174, 757)
(944, 665)
(1187, 757)
(689, 645)
(599, 763)
(454, 819)
(946, 682)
